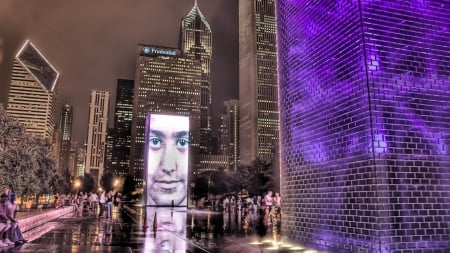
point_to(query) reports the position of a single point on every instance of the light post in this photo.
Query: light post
(77, 185)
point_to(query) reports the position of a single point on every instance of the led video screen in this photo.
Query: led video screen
(166, 159)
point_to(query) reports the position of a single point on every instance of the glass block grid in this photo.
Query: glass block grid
(365, 124)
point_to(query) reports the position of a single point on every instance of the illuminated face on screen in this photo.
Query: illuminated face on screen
(167, 160)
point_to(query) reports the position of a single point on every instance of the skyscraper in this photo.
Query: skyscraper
(65, 125)
(229, 133)
(120, 155)
(166, 82)
(365, 124)
(56, 149)
(258, 84)
(73, 159)
(97, 131)
(196, 42)
(32, 94)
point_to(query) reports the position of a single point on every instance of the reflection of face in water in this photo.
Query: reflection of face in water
(167, 165)
(171, 230)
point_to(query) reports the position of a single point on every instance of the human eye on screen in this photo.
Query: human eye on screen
(155, 142)
(182, 143)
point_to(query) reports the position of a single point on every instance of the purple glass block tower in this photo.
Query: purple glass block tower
(365, 124)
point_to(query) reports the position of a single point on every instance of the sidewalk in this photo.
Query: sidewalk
(133, 232)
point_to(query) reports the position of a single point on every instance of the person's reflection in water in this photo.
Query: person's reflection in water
(171, 230)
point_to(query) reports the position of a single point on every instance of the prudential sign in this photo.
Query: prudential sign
(159, 51)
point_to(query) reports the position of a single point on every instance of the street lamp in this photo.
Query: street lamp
(77, 185)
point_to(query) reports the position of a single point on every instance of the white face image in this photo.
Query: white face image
(167, 150)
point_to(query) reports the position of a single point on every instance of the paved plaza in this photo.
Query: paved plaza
(153, 230)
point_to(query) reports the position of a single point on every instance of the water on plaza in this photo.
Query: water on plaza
(150, 229)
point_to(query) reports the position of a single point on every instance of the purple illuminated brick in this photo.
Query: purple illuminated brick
(365, 124)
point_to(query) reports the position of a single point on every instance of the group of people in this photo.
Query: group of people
(231, 203)
(272, 210)
(93, 202)
(10, 233)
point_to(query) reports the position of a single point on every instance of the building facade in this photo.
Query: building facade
(65, 126)
(56, 149)
(210, 163)
(229, 133)
(80, 167)
(165, 82)
(121, 142)
(196, 42)
(32, 93)
(73, 159)
(258, 84)
(97, 133)
(365, 100)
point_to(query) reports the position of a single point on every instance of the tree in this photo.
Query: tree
(257, 177)
(262, 179)
(221, 182)
(129, 185)
(60, 184)
(27, 165)
(45, 165)
(87, 184)
(200, 189)
(106, 182)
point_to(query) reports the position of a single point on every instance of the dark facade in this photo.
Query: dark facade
(167, 83)
(365, 123)
(32, 92)
(196, 42)
(65, 125)
(229, 133)
(258, 83)
(121, 141)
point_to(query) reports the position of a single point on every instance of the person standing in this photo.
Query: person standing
(277, 200)
(6, 221)
(268, 199)
(109, 204)
(94, 202)
(102, 202)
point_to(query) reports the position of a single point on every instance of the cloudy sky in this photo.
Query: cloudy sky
(93, 43)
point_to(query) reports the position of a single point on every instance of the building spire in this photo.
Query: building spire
(195, 3)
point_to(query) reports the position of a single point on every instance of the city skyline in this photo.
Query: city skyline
(108, 51)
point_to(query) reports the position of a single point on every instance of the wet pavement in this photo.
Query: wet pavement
(150, 229)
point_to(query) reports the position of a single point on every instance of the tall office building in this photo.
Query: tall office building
(32, 94)
(97, 131)
(120, 155)
(65, 126)
(166, 82)
(80, 162)
(73, 157)
(365, 124)
(258, 84)
(229, 133)
(110, 136)
(196, 41)
(56, 149)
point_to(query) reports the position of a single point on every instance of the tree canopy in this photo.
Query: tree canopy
(256, 178)
(27, 164)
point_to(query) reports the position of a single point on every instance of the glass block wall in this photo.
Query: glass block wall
(365, 124)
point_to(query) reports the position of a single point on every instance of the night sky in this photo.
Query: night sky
(94, 43)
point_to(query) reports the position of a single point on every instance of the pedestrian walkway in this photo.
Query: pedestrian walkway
(151, 230)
